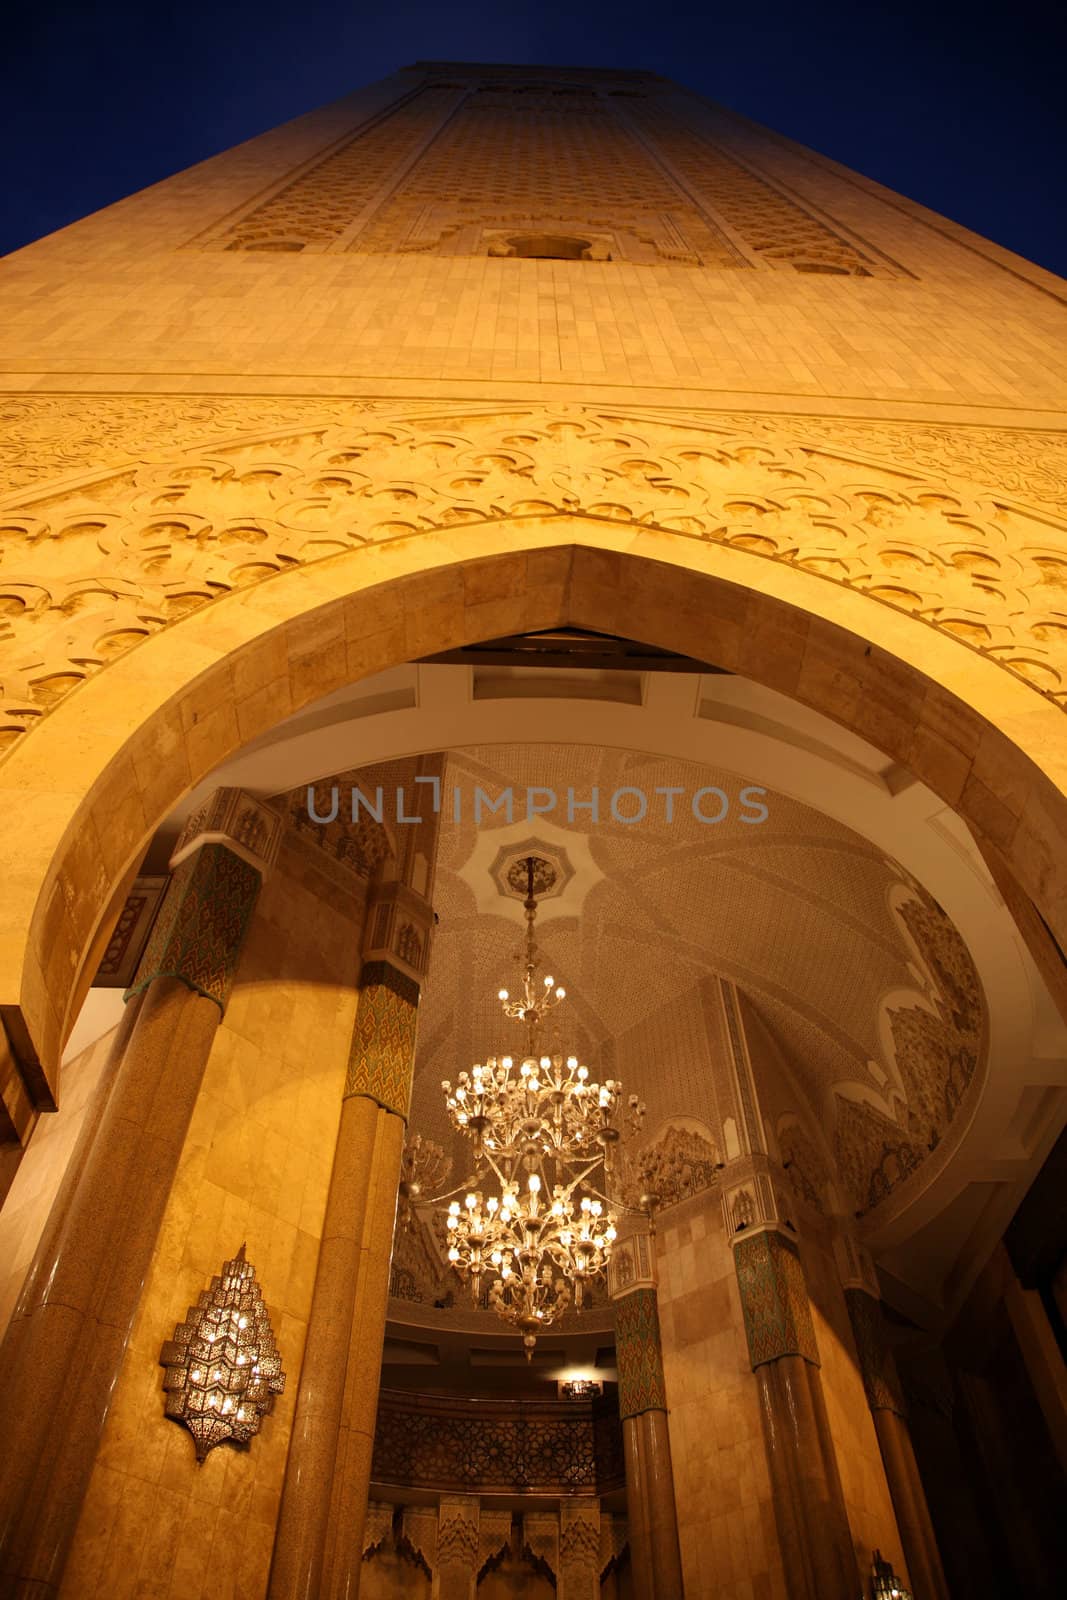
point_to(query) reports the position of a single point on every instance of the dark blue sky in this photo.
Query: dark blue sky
(958, 106)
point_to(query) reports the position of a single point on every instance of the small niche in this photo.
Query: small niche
(549, 247)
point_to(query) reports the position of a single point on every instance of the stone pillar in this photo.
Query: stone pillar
(885, 1397)
(579, 1550)
(69, 1331)
(655, 1555)
(319, 1537)
(458, 1539)
(809, 1506)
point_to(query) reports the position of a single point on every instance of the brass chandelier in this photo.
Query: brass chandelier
(540, 1129)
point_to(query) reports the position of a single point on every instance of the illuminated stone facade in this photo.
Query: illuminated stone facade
(472, 353)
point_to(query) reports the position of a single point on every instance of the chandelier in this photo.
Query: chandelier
(531, 1224)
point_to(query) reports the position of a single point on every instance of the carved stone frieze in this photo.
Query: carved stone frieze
(90, 569)
(679, 1163)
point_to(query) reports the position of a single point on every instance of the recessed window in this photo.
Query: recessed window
(550, 247)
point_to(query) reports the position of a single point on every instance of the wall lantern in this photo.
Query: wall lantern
(223, 1366)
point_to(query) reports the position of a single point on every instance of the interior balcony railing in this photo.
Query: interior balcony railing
(552, 1447)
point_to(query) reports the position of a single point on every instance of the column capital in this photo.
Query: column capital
(632, 1263)
(855, 1264)
(774, 1298)
(639, 1354)
(754, 1195)
(399, 928)
(200, 927)
(230, 817)
(881, 1382)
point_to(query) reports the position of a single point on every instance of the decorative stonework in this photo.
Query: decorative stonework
(579, 1550)
(200, 927)
(119, 961)
(457, 1532)
(382, 1055)
(803, 1164)
(89, 570)
(774, 225)
(540, 1540)
(877, 1367)
(230, 817)
(677, 1165)
(361, 845)
(774, 1298)
(638, 1354)
(936, 1051)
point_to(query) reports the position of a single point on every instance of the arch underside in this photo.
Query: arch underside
(195, 600)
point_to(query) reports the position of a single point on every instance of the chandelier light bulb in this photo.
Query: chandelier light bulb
(471, 1201)
(506, 1063)
(561, 994)
(503, 995)
(549, 982)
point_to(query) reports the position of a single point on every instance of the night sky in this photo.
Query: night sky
(959, 107)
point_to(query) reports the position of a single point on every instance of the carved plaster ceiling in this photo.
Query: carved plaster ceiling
(873, 1014)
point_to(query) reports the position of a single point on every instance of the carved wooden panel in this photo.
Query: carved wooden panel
(534, 1446)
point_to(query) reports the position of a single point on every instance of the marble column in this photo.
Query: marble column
(579, 1550)
(458, 1541)
(62, 1356)
(319, 1536)
(655, 1555)
(885, 1397)
(809, 1506)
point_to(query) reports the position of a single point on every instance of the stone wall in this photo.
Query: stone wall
(254, 1169)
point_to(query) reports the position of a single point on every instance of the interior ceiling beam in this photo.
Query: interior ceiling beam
(571, 647)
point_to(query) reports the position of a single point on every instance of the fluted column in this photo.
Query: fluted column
(885, 1397)
(579, 1550)
(318, 1544)
(64, 1349)
(655, 1555)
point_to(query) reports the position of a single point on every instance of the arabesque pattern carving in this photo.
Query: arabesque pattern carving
(678, 1164)
(936, 1053)
(89, 571)
(382, 1054)
(529, 1446)
(773, 224)
(200, 927)
(774, 1299)
(639, 1354)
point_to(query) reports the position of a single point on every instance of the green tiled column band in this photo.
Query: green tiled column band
(382, 1057)
(198, 933)
(638, 1354)
(774, 1299)
(879, 1370)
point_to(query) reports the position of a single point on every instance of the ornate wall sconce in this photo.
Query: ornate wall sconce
(885, 1585)
(580, 1389)
(223, 1366)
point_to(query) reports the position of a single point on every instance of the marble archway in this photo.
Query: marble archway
(194, 601)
